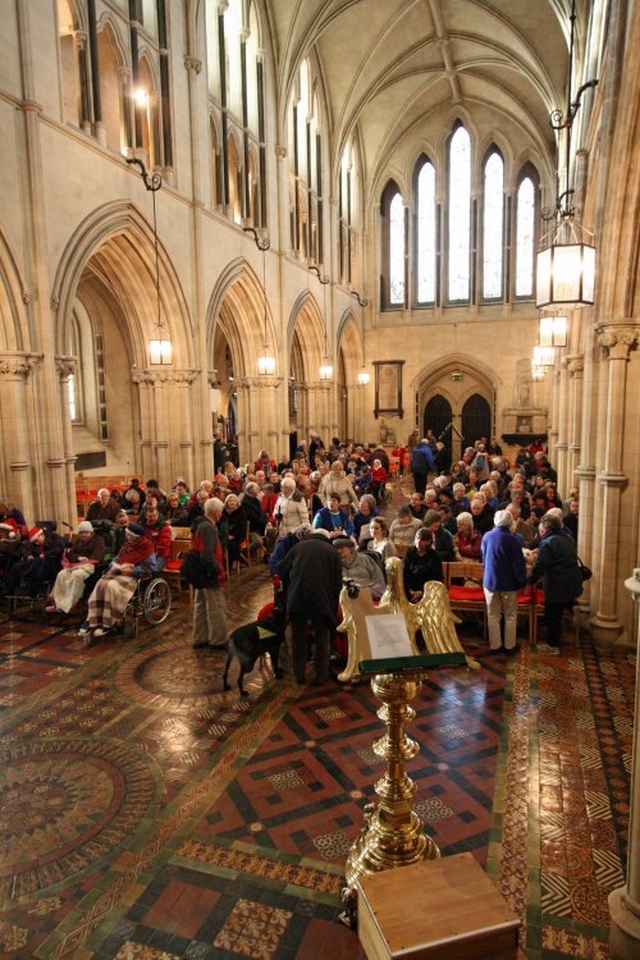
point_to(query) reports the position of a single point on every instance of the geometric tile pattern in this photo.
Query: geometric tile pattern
(149, 815)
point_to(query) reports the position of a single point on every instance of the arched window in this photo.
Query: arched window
(525, 233)
(72, 47)
(306, 182)
(493, 227)
(459, 232)
(235, 86)
(348, 215)
(426, 232)
(393, 248)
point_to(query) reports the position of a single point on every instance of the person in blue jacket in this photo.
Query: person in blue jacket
(505, 573)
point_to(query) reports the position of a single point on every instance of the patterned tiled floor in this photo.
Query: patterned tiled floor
(147, 815)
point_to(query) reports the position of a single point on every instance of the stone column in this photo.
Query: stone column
(80, 50)
(17, 469)
(66, 367)
(318, 403)
(575, 368)
(258, 406)
(166, 428)
(624, 903)
(560, 422)
(618, 341)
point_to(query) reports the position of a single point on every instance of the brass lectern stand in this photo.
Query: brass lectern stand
(393, 834)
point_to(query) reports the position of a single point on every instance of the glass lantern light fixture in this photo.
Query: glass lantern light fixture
(543, 356)
(552, 331)
(266, 362)
(160, 346)
(566, 260)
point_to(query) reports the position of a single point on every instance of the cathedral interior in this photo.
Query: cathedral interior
(259, 219)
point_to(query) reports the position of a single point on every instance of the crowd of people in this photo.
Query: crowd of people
(336, 495)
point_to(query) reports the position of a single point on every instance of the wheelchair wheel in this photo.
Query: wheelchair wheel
(156, 603)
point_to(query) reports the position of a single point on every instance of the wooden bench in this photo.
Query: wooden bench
(462, 597)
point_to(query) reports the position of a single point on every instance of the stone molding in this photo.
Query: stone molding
(152, 378)
(18, 366)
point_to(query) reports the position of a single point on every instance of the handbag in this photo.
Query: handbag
(585, 572)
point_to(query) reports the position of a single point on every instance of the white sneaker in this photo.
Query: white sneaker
(548, 651)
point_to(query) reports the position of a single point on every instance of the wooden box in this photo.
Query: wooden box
(446, 909)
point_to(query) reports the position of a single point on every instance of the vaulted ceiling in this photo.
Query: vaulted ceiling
(396, 71)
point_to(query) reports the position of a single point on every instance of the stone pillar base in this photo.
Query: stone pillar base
(606, 632)
(624, 930)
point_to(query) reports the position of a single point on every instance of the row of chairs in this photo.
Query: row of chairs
(463, 580)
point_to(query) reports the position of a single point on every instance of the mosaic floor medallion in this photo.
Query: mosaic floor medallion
(67, 804)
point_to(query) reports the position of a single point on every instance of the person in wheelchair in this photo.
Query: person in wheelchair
(79, 561)
(159, 532)
(111, 594)
(40, 562)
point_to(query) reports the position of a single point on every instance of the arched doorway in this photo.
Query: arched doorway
(476, 420)
(456, 398)
(437, 417)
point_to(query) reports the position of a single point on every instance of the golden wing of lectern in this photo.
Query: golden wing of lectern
(431, 615)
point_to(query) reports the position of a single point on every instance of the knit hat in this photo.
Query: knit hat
(34, 533)
(344, 542)
(136, 529)
(85, 526)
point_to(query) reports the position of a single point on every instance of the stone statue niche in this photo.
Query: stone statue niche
(524, 419)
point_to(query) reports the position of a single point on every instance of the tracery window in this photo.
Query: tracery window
(457, 247)
(235, 85)
(348, 215)
(306, 186)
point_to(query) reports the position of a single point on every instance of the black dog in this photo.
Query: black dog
(249, 642)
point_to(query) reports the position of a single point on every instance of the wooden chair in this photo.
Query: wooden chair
(464, 597)
(171, 570)
(180, 533)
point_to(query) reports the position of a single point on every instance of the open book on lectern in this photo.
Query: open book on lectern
(388, 636)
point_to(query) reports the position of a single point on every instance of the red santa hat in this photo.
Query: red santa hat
(34, 533)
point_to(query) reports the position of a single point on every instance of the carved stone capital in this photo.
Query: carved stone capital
(260, 383)
(618, 340)
(575, 365)
(153, 378)
(66, 366)
(192, 63)
(16, 366)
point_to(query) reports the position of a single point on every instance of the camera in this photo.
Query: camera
(352, 588)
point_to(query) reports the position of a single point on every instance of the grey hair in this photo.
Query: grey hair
(503, 518)
(465, 519)
(213, 507)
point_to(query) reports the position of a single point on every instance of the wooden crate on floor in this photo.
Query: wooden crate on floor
(446, 909)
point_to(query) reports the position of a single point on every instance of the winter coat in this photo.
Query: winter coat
(311, 576)
(557, 565)
(504, 565)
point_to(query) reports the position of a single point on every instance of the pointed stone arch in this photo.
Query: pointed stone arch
(14, 329)
(116, 243)
(460, 381)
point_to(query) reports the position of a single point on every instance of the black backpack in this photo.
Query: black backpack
(193, 569)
